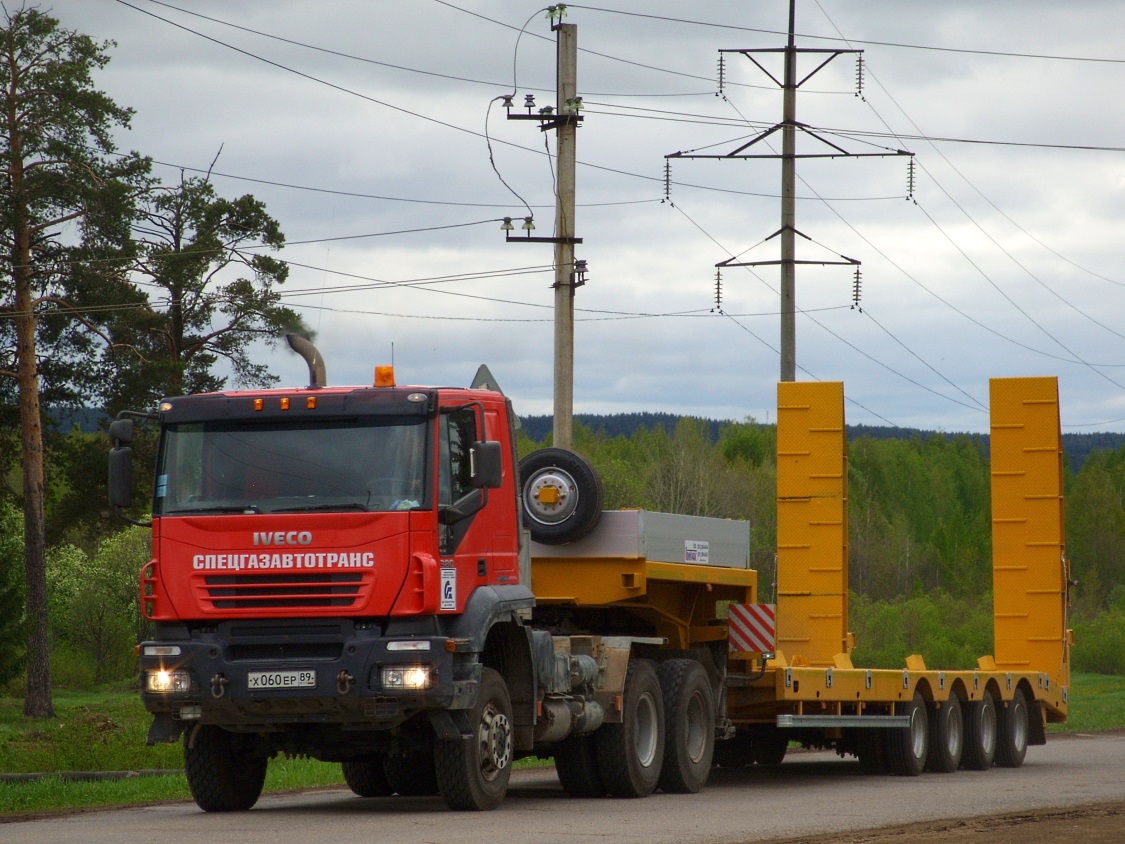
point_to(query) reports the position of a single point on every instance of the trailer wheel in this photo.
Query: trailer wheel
(908, 747)
(366, 776)
(1014, 723)
(980, 734)
(412, 775)
(473, 773)
(689, 726)
(576, 763)
(223, 773)
(631, 753)
(871, 748)
(734, 752)
(561, 495)
(947, 736)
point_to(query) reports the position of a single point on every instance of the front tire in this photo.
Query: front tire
(631, 753)
(1015, 726)
(473, 773)
(689, 726)
(223, 772)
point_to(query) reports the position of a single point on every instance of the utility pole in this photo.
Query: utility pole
(566, 137)
(569, 273)
(789, 127)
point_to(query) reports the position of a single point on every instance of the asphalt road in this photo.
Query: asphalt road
(813, 794)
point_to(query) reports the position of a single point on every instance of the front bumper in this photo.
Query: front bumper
(270, 675)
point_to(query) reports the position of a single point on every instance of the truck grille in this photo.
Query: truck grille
(236, 591)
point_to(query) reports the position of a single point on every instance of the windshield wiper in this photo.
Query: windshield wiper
(218, 508)
(311, 508)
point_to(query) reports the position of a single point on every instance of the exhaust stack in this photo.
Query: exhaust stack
(317, 376)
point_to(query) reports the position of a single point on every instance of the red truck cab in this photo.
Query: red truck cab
(349, 547)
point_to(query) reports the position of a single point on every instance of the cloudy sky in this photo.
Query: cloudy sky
(364, 125)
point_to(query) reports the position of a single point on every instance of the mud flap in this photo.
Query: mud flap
(165, 729)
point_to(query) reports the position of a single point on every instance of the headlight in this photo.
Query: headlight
(406, 677)
(164, 682)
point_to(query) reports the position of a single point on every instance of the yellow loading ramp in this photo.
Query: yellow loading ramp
(672, 571)
(1030, 570)
(812, 522)
(811, 680)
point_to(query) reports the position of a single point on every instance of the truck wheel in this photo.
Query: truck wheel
(365, 776)
(412, 775)
(576, 763)
(980, 734)
(947, 736)
(689, 726)
(908, 747)
(473, 773)
(631, 754)
(561, 495)
(224, 775)
(1014, 727)
(769, 747)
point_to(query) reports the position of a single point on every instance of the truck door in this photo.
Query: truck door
(469, 553)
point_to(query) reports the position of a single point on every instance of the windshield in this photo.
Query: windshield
(251, 466)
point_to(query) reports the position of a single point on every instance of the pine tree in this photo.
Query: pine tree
(62, 182)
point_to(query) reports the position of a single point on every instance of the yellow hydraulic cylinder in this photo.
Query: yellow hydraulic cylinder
(1029, 567)
(812, 522)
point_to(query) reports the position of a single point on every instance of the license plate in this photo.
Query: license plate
(256, 680)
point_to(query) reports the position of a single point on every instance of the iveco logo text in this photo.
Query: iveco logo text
(281, 537)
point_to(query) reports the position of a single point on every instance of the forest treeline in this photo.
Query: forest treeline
(1076, 446)
(919, 529)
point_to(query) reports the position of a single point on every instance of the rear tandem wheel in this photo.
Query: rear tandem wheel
(631, 753)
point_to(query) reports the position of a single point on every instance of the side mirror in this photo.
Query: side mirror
(121, 474)
(487, 463)
(121, 432)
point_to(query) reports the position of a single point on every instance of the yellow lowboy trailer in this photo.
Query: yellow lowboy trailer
(674, 579)
(904, 720)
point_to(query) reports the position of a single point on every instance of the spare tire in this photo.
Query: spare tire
(560, 494)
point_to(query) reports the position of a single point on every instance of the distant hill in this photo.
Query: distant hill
(1076, 447)
(86, 419)
(617, 424)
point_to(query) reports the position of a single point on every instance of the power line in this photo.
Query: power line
(1076, 357)
(446, 124)
(405, 68)
(901, 45)
(851, 345)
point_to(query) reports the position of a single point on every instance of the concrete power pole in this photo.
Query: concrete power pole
(566, 137)
(569, 274)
